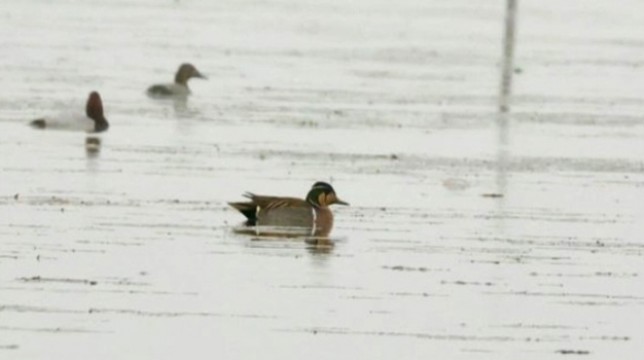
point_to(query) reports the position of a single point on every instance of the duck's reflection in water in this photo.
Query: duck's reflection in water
(319, 245)
(183, 109)
(317, 241)
(92, 146)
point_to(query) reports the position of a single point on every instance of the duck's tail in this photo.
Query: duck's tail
(39, 123)
(248, 209)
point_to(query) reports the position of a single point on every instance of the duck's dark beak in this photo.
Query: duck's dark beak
(200, 75)
(341, 202)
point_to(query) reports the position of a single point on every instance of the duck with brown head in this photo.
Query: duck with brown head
(311, 214)
(93, 121)
(180, 86)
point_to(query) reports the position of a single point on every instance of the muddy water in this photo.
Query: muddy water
(471, 235)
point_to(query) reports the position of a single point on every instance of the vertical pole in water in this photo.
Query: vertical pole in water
(507, 70)
(508, 54)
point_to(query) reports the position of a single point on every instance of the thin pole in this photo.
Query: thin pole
(508, 54)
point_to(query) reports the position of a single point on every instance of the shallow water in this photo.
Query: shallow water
(471, 235)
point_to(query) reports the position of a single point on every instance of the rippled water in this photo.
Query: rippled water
(471, 235)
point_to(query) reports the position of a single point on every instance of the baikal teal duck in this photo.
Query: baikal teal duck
(273, 215)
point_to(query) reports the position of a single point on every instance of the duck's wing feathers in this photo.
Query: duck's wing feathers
(265, 204)
(275, 202)
(159, 90)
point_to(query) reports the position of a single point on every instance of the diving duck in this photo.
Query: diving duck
(93, 121)
(311, 214)
(180, 86)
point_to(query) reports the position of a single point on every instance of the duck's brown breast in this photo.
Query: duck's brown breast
(323, 221)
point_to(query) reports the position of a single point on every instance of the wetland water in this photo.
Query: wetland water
(471, 235)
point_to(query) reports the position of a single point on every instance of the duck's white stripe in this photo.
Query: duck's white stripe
(257, 210)
(315, 216)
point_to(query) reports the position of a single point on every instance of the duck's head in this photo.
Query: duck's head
(323, 195)
(94, 107)
(94, 111)
(186, 72)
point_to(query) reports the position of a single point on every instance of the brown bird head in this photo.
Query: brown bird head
(94, 111)
(323, 195)
(94, 106)
(186, 72)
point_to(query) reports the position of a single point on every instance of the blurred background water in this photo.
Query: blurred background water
(472, 234)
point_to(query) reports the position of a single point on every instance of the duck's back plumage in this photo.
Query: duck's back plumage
(275, 211)
(71, 122)
(168, 90)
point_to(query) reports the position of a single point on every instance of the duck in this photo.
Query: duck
(312, 214)
(93, 121)
(180, 87)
